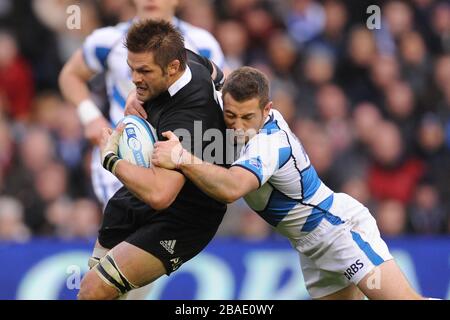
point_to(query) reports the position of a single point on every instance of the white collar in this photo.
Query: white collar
(269, 117)
(181, 82)
(176, 21)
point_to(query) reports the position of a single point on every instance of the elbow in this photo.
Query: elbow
(63, 76)
(158, 201)
(160, 205)
(230, 197)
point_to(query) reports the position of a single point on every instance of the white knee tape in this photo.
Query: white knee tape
(110, 273)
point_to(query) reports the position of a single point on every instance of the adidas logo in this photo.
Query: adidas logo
(168, 245)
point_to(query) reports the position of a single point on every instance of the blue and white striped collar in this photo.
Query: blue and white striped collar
(271, 125)
(269, 119)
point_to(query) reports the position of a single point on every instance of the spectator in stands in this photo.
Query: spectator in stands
(12, 227)
(233, 38)
(427, 215)
(305, 20)
(84, 219)
(332, 38)
(16, 79)
(393, 174)
(400, 107)
(391, 218)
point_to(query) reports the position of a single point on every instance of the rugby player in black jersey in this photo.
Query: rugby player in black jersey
(159, 219)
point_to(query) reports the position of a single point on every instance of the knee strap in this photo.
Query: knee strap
(97, 254)
(109, 272)
(93, 261)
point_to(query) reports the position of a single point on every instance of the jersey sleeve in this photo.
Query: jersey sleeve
(98, 45)
(219, 79)
(192, 56)
(264, 155)
(215, 52)
(204, 43)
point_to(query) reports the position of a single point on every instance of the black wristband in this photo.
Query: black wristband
(110, 161)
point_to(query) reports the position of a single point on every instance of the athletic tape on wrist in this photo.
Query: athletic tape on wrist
(88, 111)
(110, 162)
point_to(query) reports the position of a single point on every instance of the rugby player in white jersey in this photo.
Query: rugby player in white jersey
(104, 51)
(342, 254)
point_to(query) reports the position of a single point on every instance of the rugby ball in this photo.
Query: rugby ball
(136, 141)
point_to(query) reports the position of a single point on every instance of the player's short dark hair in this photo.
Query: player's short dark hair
(159, 37)
(247, 83)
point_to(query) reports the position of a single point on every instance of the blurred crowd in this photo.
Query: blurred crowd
(371, 107)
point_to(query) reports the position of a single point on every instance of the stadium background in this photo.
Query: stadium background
(372, 109)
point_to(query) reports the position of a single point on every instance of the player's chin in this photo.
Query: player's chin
(241, 139)
(143, 95)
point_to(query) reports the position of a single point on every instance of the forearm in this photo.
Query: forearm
(138, 180)
(73, 82)
(225, 185)
(147, 185)
(215, 181)
(73, 89)
(74, 78)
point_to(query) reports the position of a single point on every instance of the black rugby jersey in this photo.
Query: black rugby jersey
(179, 108)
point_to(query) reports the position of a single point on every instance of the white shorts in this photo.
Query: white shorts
(334, 256)
(105, 184)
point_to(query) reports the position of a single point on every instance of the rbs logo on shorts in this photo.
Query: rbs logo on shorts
(354, 268)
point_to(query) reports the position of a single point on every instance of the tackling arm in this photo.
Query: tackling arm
(225, 185)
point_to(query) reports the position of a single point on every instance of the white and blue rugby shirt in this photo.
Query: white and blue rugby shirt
(291, 197)
(104, 50)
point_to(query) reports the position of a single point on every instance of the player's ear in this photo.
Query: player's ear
(174, 67)
(267, 108)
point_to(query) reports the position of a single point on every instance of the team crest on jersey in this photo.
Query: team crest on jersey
(255, 162)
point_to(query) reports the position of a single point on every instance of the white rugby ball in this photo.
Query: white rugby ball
(136, 141)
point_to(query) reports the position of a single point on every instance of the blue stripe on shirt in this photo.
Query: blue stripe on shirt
(118, 97)
(102, 55)
(310, 182)
(277, 208)
(320, 212)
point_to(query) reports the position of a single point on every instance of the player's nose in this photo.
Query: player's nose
(136, 78)
(238, 124)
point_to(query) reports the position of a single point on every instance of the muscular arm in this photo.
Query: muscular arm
(155, 186)
(73, 82)
(73, 79)
(225, 185)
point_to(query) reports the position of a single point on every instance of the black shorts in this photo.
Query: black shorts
(173, 236)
